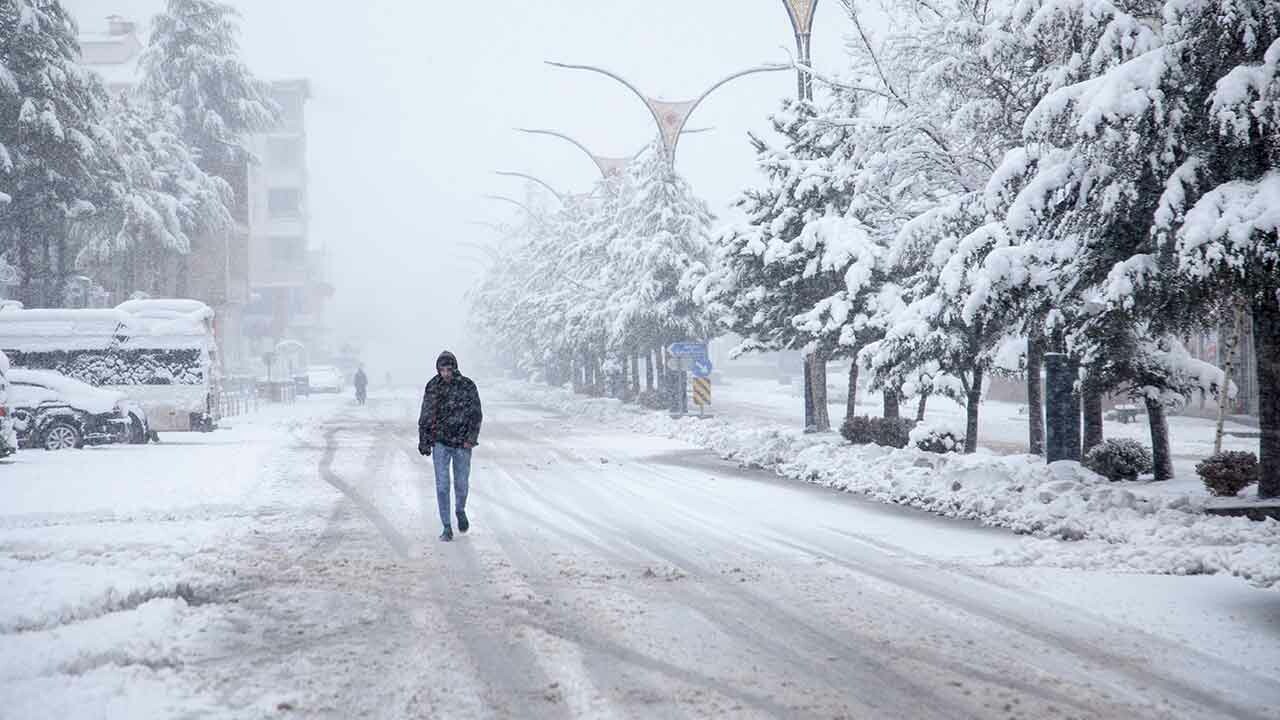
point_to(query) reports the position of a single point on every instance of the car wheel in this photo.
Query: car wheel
(61, 436)
(137, 431)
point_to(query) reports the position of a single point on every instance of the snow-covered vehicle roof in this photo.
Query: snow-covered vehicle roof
(44, 330)
(79, 395)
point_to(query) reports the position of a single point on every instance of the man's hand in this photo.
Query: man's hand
(468, 445)
(424, 449)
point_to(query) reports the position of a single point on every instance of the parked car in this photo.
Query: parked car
(324, 379)
(55, 412)
(8, 438)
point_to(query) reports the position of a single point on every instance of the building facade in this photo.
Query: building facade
(266, 281)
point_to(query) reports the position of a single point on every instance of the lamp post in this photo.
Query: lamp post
(801, 14)
(670, 116)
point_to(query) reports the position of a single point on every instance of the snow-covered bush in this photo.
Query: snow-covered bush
(651, 399)
(890, 432)
(1229, 472)
(938, 437)
(1119, 459)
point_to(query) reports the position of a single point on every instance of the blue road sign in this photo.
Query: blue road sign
(701, 368)
(689, 349)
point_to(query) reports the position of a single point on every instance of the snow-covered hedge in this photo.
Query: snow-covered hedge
(1117, 528)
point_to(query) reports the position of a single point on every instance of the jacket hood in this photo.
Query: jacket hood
(447, 359)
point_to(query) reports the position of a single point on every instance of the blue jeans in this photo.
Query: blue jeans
(442, 456)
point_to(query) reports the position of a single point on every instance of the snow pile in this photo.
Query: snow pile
(1118, 529)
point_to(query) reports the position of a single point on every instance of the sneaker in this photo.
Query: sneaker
(447, 535)
(463, 524)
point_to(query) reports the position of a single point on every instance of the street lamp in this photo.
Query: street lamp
(526, 176)
(608, 166)
(801, 14)
(670, 116)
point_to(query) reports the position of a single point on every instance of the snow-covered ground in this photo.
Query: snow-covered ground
(1127, 527)
(107, 554)
(287, 568)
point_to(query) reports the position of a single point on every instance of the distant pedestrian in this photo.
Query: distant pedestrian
(448, 430)
(361, 382)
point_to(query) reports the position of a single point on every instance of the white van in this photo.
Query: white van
(159, 353)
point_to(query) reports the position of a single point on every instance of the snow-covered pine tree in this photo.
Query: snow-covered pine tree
(1128, 174)
(52, 139)
(658, 248)
(765, 277)
(192, 65)
(159, 198)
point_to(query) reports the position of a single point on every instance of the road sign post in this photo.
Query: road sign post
(691, 357)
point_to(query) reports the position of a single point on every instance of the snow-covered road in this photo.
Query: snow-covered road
(607, 575)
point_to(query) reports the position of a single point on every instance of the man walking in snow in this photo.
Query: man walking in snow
(448, 429)
(362, 384)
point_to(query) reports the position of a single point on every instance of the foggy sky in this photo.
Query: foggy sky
(413, 108)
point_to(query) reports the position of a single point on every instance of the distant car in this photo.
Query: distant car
(8, 438)
(55, 412)
(324, 379)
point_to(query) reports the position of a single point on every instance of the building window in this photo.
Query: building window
(287, 252)
(284, 153)
(284, 202)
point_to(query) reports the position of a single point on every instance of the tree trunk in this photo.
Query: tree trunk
(1035, 392)
(892, 403)
(973, 398)
(922, 405)
(1266, 345)
(818, 374)
(851, 400)
(1160, 451)
(648, 370)
(1232, 341)
(635, 375)
(1092, 407)
(810, 409)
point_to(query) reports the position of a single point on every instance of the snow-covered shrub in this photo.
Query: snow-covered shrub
(1228, 472)
(651, 399)
(1119, 459)
(890, 432)
(938, 437)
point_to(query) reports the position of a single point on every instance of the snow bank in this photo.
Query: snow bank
(1113, 528)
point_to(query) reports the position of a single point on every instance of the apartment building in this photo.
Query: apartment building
(266, 281)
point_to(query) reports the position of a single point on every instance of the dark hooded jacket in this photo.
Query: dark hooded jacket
(450, 410)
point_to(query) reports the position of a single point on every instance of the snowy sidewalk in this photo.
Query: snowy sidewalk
(107, 556)
(1075, 518)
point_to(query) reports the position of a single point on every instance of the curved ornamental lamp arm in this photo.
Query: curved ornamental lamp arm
(526, 176)
(511, 201)
(669, 116)
(606, 165)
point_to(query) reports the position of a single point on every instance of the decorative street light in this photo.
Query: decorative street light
(608, 166)
(526, 176)
(671, 117)
(801, 14)
(512, 201)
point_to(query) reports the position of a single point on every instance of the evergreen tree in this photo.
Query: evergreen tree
(53, 143)
(192, 65)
